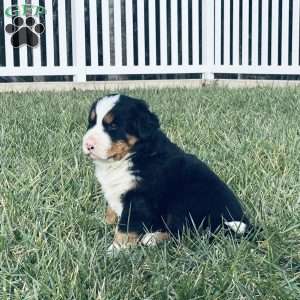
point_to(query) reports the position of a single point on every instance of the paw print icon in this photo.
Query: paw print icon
(24, 32)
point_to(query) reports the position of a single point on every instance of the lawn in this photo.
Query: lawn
(53, 237)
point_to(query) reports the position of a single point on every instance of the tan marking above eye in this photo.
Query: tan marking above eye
(108, 118)
(93, 115)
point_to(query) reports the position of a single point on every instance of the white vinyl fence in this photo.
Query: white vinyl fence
(124, 37)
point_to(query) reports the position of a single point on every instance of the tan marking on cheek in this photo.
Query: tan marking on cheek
(118, 150)
(126, 239)
(111, 217)
(108, 118)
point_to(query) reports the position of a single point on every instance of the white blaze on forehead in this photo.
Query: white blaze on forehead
(97, 135)
(104, 106)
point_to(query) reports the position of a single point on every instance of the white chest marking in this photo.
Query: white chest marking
(115, 179)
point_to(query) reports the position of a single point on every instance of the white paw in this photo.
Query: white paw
(149, 239)
(237, 227)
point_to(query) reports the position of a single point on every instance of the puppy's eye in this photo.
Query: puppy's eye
(112, 126)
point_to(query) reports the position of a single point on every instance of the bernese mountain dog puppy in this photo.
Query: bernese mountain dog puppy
(153, 189)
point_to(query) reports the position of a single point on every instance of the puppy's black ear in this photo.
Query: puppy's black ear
(146, 122)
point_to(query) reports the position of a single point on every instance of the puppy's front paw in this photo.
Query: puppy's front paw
(153, 238)
(113, 250)
(123, 240)
(149, 239)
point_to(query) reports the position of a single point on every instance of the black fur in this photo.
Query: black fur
(175, 190)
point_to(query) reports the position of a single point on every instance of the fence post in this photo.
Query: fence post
(208, 37)
(78, 39)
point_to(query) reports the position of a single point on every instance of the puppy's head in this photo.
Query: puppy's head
(115, 124)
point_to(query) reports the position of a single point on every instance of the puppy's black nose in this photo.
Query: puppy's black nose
(89, 146)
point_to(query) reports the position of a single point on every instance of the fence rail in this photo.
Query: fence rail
(123, 37)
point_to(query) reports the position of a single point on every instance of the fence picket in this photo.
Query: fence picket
(275, 19)
(218, 32)
(118, 32)
(264, 32)
(36, 51)
(163, 32)
(141, 33)
(254, 42)
(105, 33)
(285, 33)
(129, 33)
(23, 48)
(78, 42)
(174, 33)
(226, 32)
(9, 58)
(152, 33)
(185, 32)
(93, 36)
(49, 33)
(245, 36)
(195, 29)
(208, 39)
(295, 35)
(236, 33)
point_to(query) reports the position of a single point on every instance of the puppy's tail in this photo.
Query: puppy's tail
(246, 230)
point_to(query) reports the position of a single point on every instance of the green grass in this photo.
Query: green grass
(53, 237)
